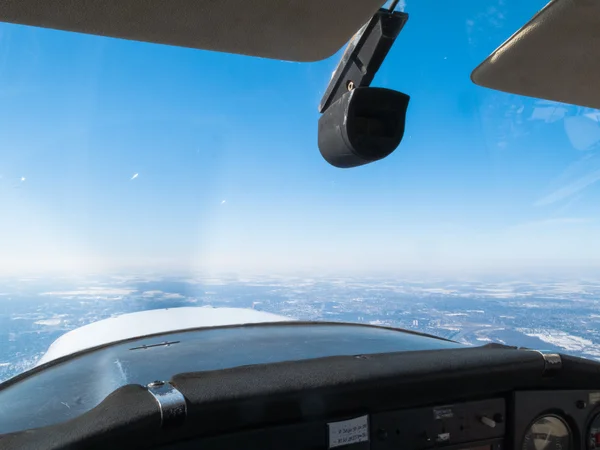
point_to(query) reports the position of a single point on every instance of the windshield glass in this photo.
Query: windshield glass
(136, 176)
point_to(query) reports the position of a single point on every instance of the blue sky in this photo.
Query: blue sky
(117, 155)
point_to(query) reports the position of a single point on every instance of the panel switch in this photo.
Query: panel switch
(488, 422)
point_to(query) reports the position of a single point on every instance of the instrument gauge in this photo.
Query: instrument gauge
(593, 436)
(548, 433)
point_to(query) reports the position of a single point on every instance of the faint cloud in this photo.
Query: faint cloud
(49, 322)
(564, 209)
(547, 223)
(401, 6)
(152, 293)
(570, 189)
(495, 16)
(162, 295)
(548, 114)
(481, 26)
(223, 202)
(93, 293)
(135, 175)
(583, 131)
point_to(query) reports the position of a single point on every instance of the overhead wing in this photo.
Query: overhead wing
(554, 56)
(295, 30)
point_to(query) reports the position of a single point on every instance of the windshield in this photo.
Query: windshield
(136, 176)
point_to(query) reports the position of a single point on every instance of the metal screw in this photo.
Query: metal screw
(156, 384)
(581, 404)
(350, 85)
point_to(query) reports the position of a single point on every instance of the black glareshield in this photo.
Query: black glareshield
(361, 124)
(364, 125)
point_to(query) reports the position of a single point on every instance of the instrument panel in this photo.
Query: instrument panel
(556, 420)
(529, 420)
(480, 424)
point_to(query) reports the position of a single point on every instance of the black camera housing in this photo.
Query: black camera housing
(364, 125)
(361, 124)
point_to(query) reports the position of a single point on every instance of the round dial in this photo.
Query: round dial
(548, 433)
(594, 433)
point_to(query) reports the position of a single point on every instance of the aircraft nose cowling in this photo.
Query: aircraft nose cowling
(155, 321)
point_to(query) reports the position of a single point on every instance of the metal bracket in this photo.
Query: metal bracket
(171, 402)
(552, 362)
(364, 55)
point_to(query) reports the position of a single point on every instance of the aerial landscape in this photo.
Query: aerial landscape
(555, 315)
(124, 157)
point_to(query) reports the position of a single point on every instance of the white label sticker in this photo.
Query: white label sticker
(349, 432)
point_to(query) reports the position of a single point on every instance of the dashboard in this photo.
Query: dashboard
(491, 397)
(556, 420)
(529, 420)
